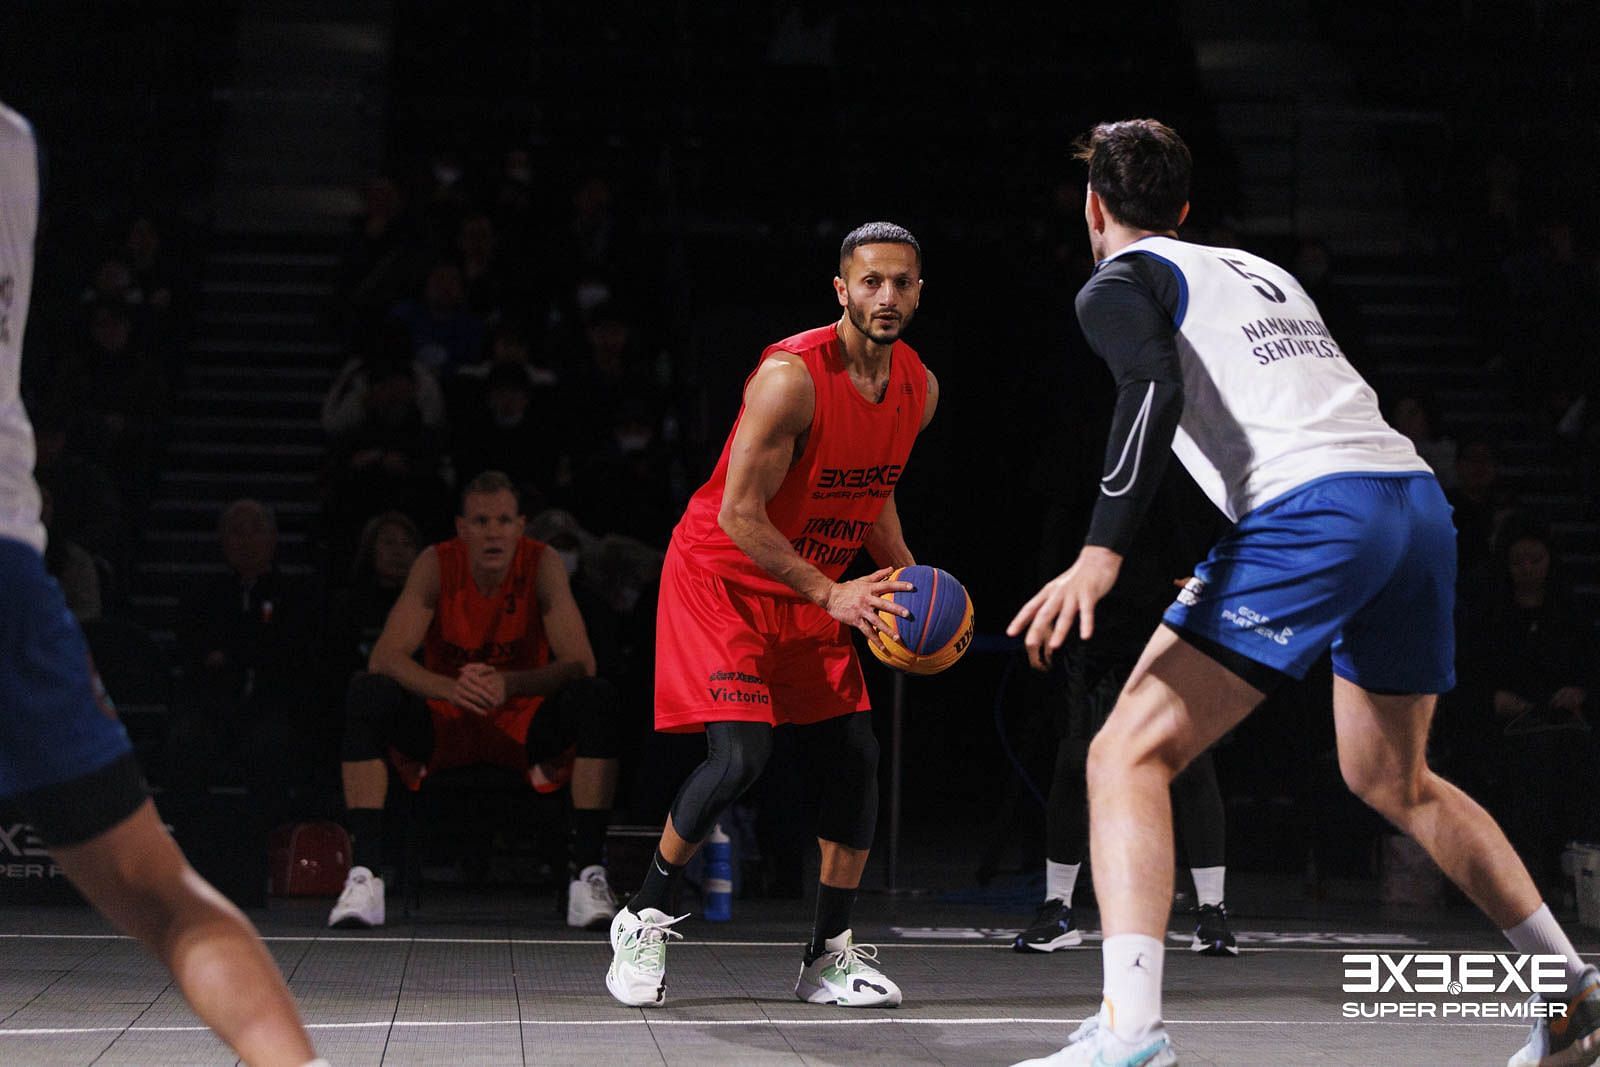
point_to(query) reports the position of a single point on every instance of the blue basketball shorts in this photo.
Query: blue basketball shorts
(1365, 563)
(56, 724)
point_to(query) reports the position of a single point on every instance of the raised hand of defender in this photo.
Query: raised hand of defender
(857, 603)
(1070, 595)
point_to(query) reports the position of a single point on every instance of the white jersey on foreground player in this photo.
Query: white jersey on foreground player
(65, 760)
(1343, 540)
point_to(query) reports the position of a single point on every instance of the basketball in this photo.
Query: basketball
(939, 629)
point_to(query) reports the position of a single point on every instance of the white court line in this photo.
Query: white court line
(384, 1024)
(332, 939)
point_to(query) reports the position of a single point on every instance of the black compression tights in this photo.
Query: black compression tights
(841, 754)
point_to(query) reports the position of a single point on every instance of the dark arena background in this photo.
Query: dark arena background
(583, 222)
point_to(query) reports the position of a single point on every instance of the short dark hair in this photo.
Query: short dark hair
(489, 483)
(1140, 169)
(877, 233)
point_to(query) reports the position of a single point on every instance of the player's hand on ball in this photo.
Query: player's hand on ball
(857, 603)
(1071, 595)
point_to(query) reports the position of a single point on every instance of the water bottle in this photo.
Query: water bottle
(718, 880)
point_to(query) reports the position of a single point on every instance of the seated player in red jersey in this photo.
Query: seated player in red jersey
(507, 678)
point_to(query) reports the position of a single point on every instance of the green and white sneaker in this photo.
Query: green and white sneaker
(844, 975)
(638, 973)
(1566, 1041)
(1094, 1045)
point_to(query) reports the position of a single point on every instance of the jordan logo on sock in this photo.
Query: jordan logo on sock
(1138, 963)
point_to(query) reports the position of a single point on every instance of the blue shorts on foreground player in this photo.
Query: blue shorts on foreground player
(65, 760)
(1365, 563)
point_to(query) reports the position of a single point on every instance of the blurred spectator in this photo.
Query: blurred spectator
(513, 427)
(445, 334)
(1414, 415)
(112, 282)
(151, 273)
(1546, 303)
(86, 506)
(71, 565)
(118, 393)
(1314, 270)
(345, 407)
(626, 487)
(388, 546)
(487, 285)
(1531, 660)
(388, 459)
(804, 36)
(593, 228)
(245, 638)
(444, 199)
(611, 374)
(1481, 503)
(513, 209)
(377, 265)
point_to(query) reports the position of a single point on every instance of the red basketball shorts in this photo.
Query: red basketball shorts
(727, 654)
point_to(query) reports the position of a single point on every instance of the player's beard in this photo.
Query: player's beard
(876, 331)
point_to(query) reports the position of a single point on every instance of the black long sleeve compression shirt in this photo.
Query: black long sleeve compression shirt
(1128, 312)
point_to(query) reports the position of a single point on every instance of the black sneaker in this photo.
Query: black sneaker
(1051, 929)
(1211, 934)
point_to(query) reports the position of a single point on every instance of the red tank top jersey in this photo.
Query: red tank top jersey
(854, 454)
(503, 629)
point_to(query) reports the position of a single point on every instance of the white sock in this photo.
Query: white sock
(1208, 883)
(1540, 933)
(1059, 881)
(318, 1063)
(1132, 984)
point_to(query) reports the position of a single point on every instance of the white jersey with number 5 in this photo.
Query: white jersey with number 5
(19, 221)
(1270, 402)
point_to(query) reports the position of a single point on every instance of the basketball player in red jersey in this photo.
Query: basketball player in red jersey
(507, 678)
(754, 625)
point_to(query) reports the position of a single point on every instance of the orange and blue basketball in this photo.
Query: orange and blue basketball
(939, 629)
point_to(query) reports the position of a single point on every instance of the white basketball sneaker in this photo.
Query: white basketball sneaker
(589, 900)
(638, 974)
(361, 902)
(844, 975)
(1569, 1040)
(1094, 1045)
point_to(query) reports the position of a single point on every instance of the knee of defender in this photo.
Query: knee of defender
(1385, 791)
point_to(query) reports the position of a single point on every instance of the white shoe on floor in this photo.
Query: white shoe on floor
(589, 900)
(1093, 1044)
(844, 975)
(638, 973)
(361, 902)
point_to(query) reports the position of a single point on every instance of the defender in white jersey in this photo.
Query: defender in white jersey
(1342, 539)
(65, 762)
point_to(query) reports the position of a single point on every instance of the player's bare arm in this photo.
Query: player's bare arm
(571, 657)
(403, 633)
(778, 405)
